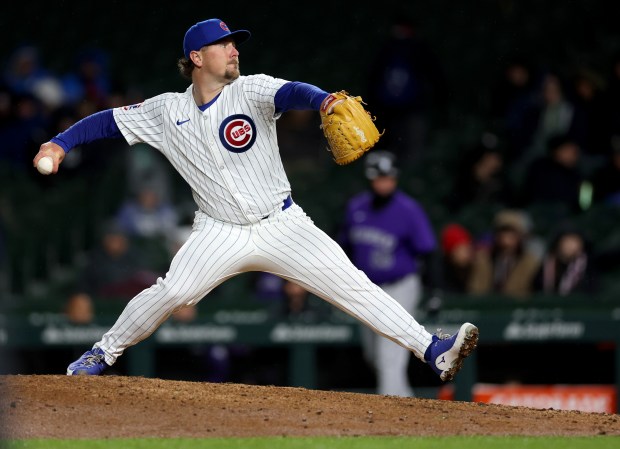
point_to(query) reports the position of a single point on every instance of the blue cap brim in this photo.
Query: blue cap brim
(240, 36)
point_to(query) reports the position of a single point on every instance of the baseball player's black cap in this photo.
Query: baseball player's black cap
(209, 31)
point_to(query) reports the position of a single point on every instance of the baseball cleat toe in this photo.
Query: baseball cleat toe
(92, 363)
(446, 353)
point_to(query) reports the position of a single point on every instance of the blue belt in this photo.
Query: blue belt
(288, 201)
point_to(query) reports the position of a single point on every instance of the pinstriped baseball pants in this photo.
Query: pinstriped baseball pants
(287, 244)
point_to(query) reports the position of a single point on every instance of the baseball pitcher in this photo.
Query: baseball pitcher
(220, 135)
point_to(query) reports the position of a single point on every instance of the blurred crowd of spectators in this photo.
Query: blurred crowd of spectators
(36, 103)
(551, 145)
(511, 261)
(554, 148)
(553, 138)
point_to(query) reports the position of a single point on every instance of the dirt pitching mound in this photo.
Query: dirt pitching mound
(122, 407)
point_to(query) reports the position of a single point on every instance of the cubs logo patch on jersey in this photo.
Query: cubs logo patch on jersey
(238, 133)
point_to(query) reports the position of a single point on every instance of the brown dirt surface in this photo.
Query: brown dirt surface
(124, 407)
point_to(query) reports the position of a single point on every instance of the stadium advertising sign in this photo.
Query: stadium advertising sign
(197, 333)
(541, 325)
(585, 398)
(324, 333)
(59, 335)
(573, 330)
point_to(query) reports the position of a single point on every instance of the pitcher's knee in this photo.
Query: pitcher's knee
(179, 295)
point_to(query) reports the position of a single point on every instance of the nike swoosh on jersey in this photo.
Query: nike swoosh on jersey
(179, 122)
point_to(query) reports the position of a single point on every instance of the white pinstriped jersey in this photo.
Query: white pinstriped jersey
(228, 154)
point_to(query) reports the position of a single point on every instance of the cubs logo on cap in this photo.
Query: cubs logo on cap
(209, 31)
(238, 133)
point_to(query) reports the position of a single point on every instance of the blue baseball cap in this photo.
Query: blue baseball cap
(209, 31)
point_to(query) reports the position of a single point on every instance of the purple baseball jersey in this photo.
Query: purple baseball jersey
(385, 242)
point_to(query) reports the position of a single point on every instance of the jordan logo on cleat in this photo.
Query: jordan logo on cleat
(443, 360)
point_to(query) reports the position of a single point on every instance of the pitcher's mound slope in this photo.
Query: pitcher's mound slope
(123, 407)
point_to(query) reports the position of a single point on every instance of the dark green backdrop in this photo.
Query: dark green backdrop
(326, 43)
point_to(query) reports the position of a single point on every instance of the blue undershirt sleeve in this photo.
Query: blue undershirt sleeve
(100, 125)
(300, 96)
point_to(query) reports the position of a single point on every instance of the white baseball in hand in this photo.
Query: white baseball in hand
(45, 165)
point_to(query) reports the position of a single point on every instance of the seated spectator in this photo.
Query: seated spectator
(115, 269)
(185, 314)
(21, 132)
(589, 99)
(513, 90)
(79, 309)
(512, 100)
(268, 287)
(296, 304)
(507, 266)
(300, 305)
(551, 115)
(606, 180)
(555, 178)
(90, 80)
(146, 215)
(148, 168)
(457, 257)
(25, 74)
(287, 300)
(612, 97)
(567, 267)
(407, 85)
(481, 176)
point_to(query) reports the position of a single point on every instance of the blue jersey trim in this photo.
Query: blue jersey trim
(203, 107)
(298, 96)
(100, 125)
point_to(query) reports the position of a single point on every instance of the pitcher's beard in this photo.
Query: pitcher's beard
(232, 73)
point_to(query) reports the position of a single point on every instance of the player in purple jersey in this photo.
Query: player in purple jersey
(385, 232)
